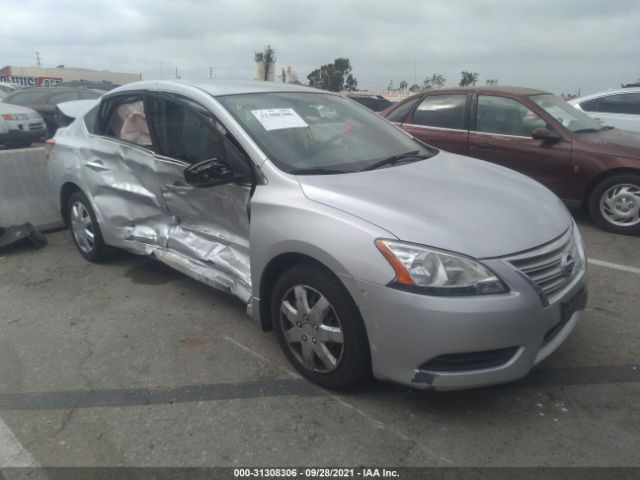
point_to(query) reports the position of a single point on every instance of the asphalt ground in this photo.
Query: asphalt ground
(130, 363)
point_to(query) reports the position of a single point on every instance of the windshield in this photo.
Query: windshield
(318, 133)
(570, 117)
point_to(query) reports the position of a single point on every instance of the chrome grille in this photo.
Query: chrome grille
(547, 266)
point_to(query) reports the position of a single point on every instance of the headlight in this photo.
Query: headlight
(581, 250)
(436, 272)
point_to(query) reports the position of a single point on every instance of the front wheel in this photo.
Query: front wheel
(319, 327)
(614, 204)
(85, 230)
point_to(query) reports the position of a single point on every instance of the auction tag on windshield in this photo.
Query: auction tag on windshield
(279, 118)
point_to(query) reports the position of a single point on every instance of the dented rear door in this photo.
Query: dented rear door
(120, 170)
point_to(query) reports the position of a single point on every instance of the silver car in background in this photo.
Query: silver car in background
(616, 108)
(364, 249)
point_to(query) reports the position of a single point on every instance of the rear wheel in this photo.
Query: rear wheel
(319, 328)
(614, 204)
(85, 230)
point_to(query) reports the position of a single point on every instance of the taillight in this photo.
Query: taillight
(6, 116)
(50, 144)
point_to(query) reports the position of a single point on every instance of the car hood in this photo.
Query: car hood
(9, 108)
(615, 142)
(450, 202)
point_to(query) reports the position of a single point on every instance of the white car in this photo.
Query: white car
(617, 108)
(20, 126)
(5, 89)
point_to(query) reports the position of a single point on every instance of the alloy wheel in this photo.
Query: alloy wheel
(620, 205)
(312, 329)
(82, 227)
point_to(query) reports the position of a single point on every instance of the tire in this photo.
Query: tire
(614, 204)
(83, 224)
(303, 329)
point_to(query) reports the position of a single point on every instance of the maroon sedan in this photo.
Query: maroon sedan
(539, 135)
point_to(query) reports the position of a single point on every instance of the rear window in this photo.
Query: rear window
(91, 119)
(590, 105)
(25, 98)
(442, 111)
(626, 103)
(375, 104)
(400, 113)
(57, 98)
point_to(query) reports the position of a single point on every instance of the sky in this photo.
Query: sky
(557, 45)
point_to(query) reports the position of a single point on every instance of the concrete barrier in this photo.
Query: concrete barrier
(24, 189)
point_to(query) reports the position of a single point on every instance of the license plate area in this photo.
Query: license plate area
(577, 302)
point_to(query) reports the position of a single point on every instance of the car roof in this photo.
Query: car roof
(52, 89)
(489, 89)
(615, 91)
(47, 91)
(216, 88)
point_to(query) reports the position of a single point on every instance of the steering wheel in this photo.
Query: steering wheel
(331, 140)
(327, 144)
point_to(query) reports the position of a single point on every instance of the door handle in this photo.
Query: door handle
(483, 145)
(178, 187)
(96, 165)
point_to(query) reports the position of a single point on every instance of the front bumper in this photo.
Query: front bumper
(20, 136)
(407, 331)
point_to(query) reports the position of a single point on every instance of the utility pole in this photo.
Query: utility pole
(38, 59)
(177, 76)
(415, 69)
(210, 73)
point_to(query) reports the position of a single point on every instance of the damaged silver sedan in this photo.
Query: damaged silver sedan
(363, 248)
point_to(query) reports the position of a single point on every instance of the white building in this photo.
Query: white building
(46, 77)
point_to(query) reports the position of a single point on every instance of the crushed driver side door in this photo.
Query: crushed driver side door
(208, 236)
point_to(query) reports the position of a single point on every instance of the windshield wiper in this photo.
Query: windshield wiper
(395, 159)
(318, 171)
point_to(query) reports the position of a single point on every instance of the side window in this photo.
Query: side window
(443, 111)
(506, 116)
(590, 105)
(188, 132)
(627, 103)
(90, 119)
(87, 95)
(127, 121)
(26, 98)
(57, 98)
(400, 113)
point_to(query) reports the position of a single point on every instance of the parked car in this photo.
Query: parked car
(5, 89)
(364, 249)
(102, 86)
(540, 135)
(44, 100)
(377, 103)
(618, 108)
(20, 126)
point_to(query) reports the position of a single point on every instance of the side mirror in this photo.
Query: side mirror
(210, 173)
(546, 135)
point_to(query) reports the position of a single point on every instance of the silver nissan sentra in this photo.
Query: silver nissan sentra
(364, 249)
